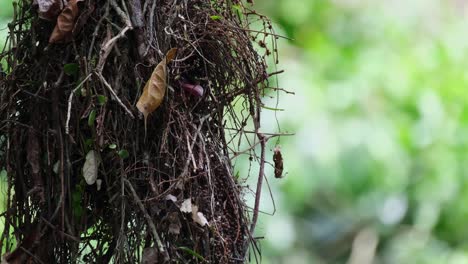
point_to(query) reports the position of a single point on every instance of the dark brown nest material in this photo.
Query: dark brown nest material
(72, 94)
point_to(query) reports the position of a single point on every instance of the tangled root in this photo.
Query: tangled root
(154, 191)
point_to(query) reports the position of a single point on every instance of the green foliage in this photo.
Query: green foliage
(112, 146)
(215, 17)
(381, 147)
(123, 153)
(92, 118)
(101, 99)
(71, 69)
(192, 252)
(6, 13)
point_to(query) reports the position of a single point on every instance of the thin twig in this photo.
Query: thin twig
(31, 255)
(70, 98)
(96, 30)
(107, 47)
(187, 162)
(238, 153)
(103, 80)
(148, 219)
(261, 173)
(125, 18)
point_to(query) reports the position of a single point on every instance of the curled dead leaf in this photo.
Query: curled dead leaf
(171, 197)
(155, 88)
(278, 160)
(63, 31)
(198, 217)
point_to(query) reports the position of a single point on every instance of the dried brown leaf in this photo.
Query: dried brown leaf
(278, 160)
(155, 88)
(65, 22)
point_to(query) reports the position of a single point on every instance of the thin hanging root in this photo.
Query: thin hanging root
(148, 219)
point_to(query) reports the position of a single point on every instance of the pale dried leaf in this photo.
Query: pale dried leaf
(200, 219)
(186, 206)
(98, 184)
(171, 197)
(90, 167)
(48, 9)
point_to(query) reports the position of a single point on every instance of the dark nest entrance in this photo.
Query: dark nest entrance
(87, 182)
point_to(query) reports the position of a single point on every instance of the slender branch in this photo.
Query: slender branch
(107, 47)
(125, 17)
(261, 173)
(114, 94)
(148, 219)
(70, 98)
(237, 154)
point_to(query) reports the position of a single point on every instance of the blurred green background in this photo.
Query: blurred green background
(378, 169)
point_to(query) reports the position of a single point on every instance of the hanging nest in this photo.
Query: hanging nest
(87, 181)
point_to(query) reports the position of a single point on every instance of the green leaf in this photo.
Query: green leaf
(78, 211)
(238, 10)
(92, 118)
(88, 143)
(71, 69)
(101, 99)
(3, 174)
(215, 17)
(112, 146)
(193, 253)
(76, 202)
(236, 177)
(123, 153)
